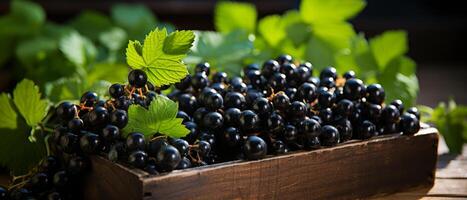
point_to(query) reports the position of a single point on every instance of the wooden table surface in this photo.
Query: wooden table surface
(450, 182)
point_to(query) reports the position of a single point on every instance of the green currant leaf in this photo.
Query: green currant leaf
(28, 100)
(330, 10)
(160, 117)
(161, 55)
(8, 115)
(387, 46)
(230, 16)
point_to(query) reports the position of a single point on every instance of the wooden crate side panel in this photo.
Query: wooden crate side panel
(112, 181)
(352, 170)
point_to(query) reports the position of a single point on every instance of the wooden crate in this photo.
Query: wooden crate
(355, 169)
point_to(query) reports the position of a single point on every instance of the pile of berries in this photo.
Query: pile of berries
(282, 107)
(275, 109)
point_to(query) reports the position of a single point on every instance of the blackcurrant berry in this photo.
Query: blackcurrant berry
(250, 67)
(135, 141)
(232, 117)
(325, 99)
(284, 59)
(214, 101)
(219, 77)
(292, 93)
(390, 114)
(185, 163)
(203, 67)
(354, 89)
(297, 109)
(183, 115)
(184, 84)
(275, 123)
(344, 107)
(325, 114)
(155, 145)
(66, 111)
(290, 133)
(328, 72)
(99, 116)
(234, 100)
(414, 111)
(199, 114)
(375, 94)
(137, 78)
(278, 147)
(199, 81)
(288, 69)
(213, 121)
(302, 74)
(111, 133)
(75, 125)
(281, 101)
(187, 103)
(262, 106)
(182, 146)
(254, 148)
(116, 90)
(349, 75)
(231, 137)
(307, 92)
(399, 105)
(89, 98)
(269, 68)
(277, 81)
(138, 159)
(344, 126)
(249, 121)
(90, 143)
(168, 158)
(308, 127)
(327, 82)
(204, 147)
(409, 124)
(119, 118)
(366, 130)
(329, 136)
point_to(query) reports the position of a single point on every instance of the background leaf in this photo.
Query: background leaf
(389, 45)
(78, 49)
(231, 16)
(330, 10)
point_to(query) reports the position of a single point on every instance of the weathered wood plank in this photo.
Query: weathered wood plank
(353, 170)
(452, 169)
(349, 171)
(442, 188)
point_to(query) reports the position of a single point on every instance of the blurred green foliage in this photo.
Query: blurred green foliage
(451, 121)
(86, 53)
(318, 32)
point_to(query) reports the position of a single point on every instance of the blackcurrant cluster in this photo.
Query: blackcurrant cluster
(282, 107)
(275, 109)
(94, 127)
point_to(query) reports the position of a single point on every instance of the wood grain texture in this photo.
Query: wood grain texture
(352, 170)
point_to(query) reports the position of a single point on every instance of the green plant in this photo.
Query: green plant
(451, 121)
(67, 59)
(318, 32)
